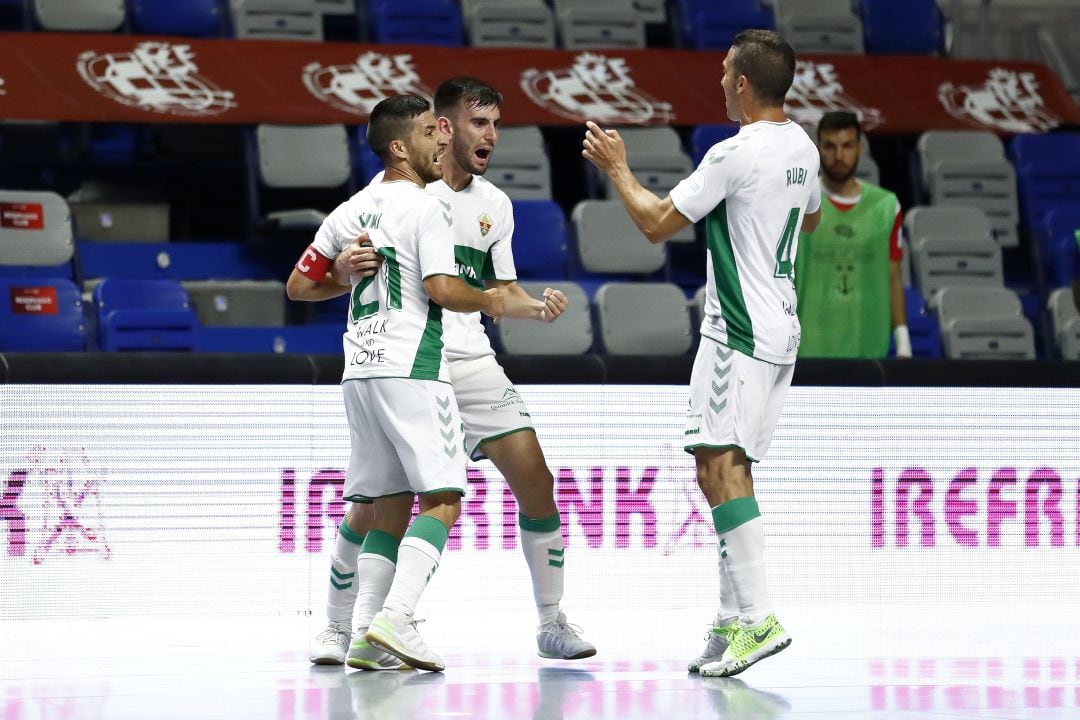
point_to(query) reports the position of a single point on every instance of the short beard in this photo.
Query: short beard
(839, 179)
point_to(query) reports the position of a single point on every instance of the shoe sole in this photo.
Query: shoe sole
(577, 656)
(739, 668)
(371, 665)
(325, 661)
(383, 643)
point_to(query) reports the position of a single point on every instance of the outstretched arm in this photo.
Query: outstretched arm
(520, 305)
(657, 219)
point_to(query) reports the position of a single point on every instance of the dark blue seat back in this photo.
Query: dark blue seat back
(196, 18)
(144, 315)
(911, 27)
(417, 22)
(540, 240)
(41, 315)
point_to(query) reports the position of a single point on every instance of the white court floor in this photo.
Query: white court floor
(849, 664)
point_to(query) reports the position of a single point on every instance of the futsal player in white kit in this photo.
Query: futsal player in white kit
(403, 418)
(496, 419)
(753, 191)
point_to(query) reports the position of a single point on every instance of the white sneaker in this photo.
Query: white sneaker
(397, 635)
(560, 640)
(365, 656)
(718, 638)
(332, 644)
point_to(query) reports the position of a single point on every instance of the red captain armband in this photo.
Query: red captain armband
(313, 264)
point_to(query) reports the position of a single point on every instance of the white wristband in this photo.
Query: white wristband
(903, 341)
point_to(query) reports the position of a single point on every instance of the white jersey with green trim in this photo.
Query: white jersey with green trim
(483, 229)
(393, 329)
(753, 190)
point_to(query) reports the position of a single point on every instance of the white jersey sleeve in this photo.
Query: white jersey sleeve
(338, 230)
(502, 253)
(436, 244)
(814, 203)
(724, 169)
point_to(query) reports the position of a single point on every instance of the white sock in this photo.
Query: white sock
(542, 543)
(341, 595)
(378, 558)
(418, 559)
(741, 539)
(729, 606)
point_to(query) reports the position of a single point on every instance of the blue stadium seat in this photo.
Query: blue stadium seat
(1061, 245)
(144, 315)
(912, 27)
(922, 326)
(1047, 174)
(417, 22)
(540, 241)
(41, 314)
(705, 136)
(709, 25)
(173, 260)
(196, 18)
(367, 164)
(316, 339)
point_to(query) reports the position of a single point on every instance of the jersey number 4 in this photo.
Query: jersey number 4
(784, 266)
(391, 273)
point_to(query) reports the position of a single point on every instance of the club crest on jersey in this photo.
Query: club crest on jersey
(485, 224)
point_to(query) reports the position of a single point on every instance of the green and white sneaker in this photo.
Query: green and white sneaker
(718, 637)
(748, 645)
(397, 635)
(365, 656)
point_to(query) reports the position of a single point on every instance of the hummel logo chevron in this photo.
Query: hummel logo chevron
(717, 407)
(722, 371)
(448, 435)
(444, 403)
(719, 389)
(445, 419)
(450, 450)
(722, 355)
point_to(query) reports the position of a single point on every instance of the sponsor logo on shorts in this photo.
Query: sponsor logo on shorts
(510, 397)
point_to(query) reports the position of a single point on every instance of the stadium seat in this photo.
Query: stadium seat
(951, 261)
(85, 15)
(540, 242)
(35, 235)
(704, 137)
(697, 306)
(962, 167)
(237, 303)
(643, 319)
(520, 166)
(914, 27)
(867, 169)
(41, 315)
(609, 242)
(1066, 322)
(277, 20)
(417, 22)
(707, 25)
(366, 164)
(1059, 240)
(947, 220)
(219, 260)
(587, 25)
(144, 315)
(315, 339)
(983, 324)
(922, 326)
(300, 163)
(822, 26)
(1047, 174)
(570, 334)
(197, 18)
(518, 23)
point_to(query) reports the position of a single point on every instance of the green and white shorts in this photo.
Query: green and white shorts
(490, 406)
(405, 437)
(735, 400)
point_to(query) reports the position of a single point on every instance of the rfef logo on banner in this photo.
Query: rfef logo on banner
(1007, 100)
(22, 216)
(359, 87)
(596, 88)
(34, 300)
(817, 90)
(155, 76)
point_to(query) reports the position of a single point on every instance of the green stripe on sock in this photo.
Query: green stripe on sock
(734, 513)
(428, 528)
(349, 534)
(381, 543)
(548, 524)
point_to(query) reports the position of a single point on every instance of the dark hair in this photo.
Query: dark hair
(392, 119)
(463, 91)
(767, 61)
(839, 120)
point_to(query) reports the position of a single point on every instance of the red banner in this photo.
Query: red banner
(126, 78)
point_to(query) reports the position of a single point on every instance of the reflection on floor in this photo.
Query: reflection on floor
(847, 664)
